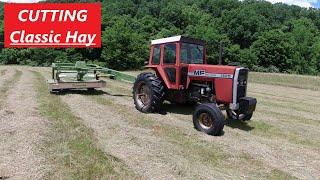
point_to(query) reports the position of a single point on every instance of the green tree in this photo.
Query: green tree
(274, 48)
(125, 50)
(302, 33)
(316, 54)
(243, 25)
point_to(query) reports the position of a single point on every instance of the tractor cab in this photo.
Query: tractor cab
(170, 57)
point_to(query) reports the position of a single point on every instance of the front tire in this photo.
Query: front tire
(148, 93)
(209, 119)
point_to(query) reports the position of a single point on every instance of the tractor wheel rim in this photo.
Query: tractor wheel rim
(205, 121)
(143, 94)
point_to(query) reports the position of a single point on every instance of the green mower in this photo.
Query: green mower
(70, 76)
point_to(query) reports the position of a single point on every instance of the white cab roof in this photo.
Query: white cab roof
(166, 40)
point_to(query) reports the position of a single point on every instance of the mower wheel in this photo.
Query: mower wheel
(148, 93)
(209, 119)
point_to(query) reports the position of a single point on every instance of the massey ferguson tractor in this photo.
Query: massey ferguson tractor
(182, 75)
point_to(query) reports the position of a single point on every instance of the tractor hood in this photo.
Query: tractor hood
(211, 71)
(222, 76)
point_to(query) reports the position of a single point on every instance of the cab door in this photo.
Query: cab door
(169, 62)
(184, 57)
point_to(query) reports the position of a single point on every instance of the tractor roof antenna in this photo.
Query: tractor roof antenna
(220, 53)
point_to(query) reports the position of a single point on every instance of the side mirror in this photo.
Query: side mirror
(146, 63)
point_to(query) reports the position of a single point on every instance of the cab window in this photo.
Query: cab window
(170, 54)
(191, 54)
(156, 55)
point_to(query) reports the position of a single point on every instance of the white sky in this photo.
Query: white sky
(302, 3)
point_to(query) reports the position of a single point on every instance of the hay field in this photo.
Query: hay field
(78, 135)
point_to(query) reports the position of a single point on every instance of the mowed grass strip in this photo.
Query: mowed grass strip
(286, 80)
(7, 85)
(72, 147)
(193, 147)
(3, 72)
(258, 127)
(265, 129)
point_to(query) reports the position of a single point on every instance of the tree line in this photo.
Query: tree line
(256, 34)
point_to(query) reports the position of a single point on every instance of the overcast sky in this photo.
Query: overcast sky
(302, 3)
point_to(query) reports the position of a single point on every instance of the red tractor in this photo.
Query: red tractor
(182, 75)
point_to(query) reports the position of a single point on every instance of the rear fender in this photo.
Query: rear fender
(162, 75)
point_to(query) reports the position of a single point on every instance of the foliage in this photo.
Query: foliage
(255, 33)
(273, 48)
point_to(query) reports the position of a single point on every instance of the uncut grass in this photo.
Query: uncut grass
(287, 80)
(307, 106)
(7, 85)
(72, 147)
(300, 95)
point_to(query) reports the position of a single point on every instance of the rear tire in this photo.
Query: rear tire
(209, 119)
(148, 93)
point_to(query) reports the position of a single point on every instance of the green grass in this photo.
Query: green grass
(286, 80)
(284, 102)
(280, 175)
(72, 147)
(8, 84)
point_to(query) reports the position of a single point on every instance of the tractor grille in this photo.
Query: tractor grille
(242, 83)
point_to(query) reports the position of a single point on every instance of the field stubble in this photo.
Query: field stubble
(281, 141)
